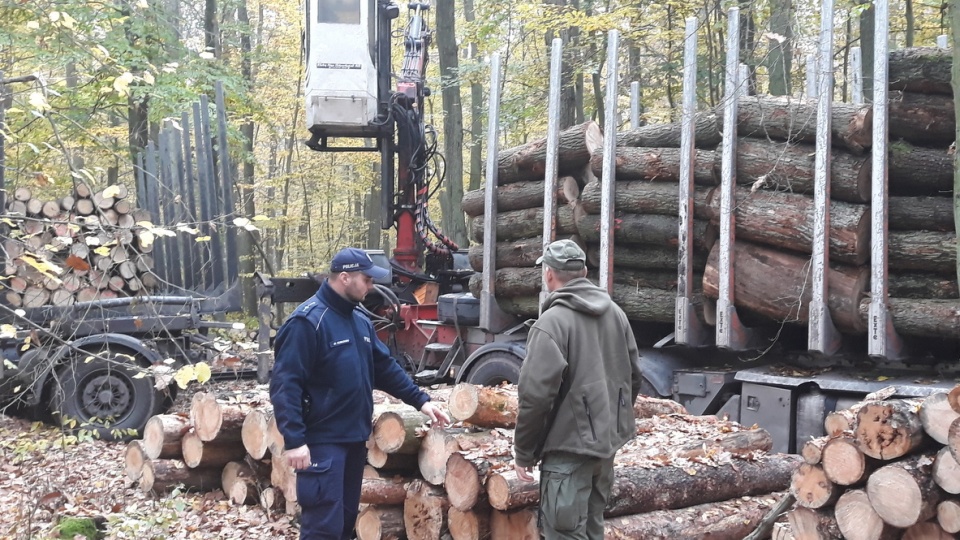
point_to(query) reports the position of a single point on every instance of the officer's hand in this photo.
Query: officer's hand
(523, 473)
(437, 417)
(298, 458)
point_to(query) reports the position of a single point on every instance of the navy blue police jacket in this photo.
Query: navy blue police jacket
(328, 360)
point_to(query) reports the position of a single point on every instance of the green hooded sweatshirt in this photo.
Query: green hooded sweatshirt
(580, 378)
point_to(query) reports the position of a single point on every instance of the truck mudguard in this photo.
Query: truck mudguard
(516, 348)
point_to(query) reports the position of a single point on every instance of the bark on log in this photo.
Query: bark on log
(395, 432)
(255, 432)
(210, 418)
(857, 520)
(526, 223)
(808, 524)
(921, 69)
(918, 174)
(953, 398)
(133, 459)
(384, 491)
(240, 482)
(844, 464)
(381, 523)
(425, 511)
(738, 443)
(707, 134)
(403, 463)
(785, 220)
(162, 435)
(472, 524)
(640, 304)
(953, 440)
(435, 449)
(930, 251)
(946, 471)
(921, 118)
(648, 407)
(795, 120)
(776, 285)
(904, 493)
(511, 282)
(930, 530)
(889, 429)
(948, 515)
(936, 415)
(520, 195)
(528, 161)
(645, 257)
(812, 450)
(162, 475)
(922, 318)
(922, 286)
(642, 197)
(215, 453)
(656, 164)
(484, 406)
(650, 229)
(637, 490)
(506, 491)
(516, 525)
(725, 520)
(812, 488)
(466, 477)
(789, 167)
(515, 254)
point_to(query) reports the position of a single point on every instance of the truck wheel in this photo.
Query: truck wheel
(109, 397)
(494, 368)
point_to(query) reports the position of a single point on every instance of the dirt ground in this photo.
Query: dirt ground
(46, 475)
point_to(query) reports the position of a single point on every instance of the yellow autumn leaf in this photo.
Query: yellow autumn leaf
(202, 369)
(241, 222)
(883, 378)
(68, 21)
(102, 251)
(146, 238)
(33, 25)
(148, 77)
(111, 191)
(203, 239)
(54, 16)
(187, 229)
(207, 55)
(122, 83)
(184, 375)
(8, 331)
(260, 218)
(38, 102)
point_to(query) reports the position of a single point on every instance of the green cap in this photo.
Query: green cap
(564, 255)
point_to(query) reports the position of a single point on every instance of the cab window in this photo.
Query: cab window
(338, 11)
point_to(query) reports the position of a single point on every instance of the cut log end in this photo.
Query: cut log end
(857, 519)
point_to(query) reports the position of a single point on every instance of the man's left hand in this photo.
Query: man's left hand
(437, 417)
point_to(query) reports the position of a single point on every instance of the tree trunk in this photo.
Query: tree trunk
(134, 458)
(780, 55)
(946, 471)
(381, 523)
(637, 490)
(785, 220)
(922, 318)
(915, 170)
(467, 474)
(511, 282)
(425, 511)
(955, 86)
(395, 432)
(812, 450)
(904, 493)
(642, 197)
(808, 524)
(484, 406)
(777, 286)
(448, 56)
(844, 464)
(724, 520)
(435, 449)
(920, 213)
(812, 488)
(930, 530)
(948, 515)
(737, 443)
(516, 525)
(215, 453)
(384, 491)
(889, 429)
(936, 415)
(921, 69)
(240, 482)
(795, 120)
(528, 161)
(706, 134)
(783, 166)
(255, 432)
(211, 418)
(651, 229)
(520, 196)
(645, 257)
(921, 118)
(953, 440)
(513, 254)
(476, 108)
(640, 304)
(660, 164)
(506, 491)
(527, 223)
(472, 524)
(162, 435)
(163, 475)
(857, 520)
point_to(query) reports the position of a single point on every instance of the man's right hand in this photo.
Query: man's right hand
(298, 458)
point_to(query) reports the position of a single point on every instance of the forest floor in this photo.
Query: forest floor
(47, 474)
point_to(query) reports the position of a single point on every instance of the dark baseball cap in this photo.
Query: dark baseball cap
(356, 260)
(563, 255)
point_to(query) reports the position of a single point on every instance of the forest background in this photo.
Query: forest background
(107, 75)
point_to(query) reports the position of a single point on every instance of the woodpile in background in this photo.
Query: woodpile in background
(81, 247)
(887, 469)
(774, 208)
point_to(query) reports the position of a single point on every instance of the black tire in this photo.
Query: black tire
(105, 396)
(494, 368)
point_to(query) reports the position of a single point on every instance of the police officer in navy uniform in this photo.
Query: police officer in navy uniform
(328, 361)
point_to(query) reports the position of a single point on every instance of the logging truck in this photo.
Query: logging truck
(772, 275)
(105, 295)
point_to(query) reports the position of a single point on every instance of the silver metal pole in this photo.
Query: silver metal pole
(856, 67)
(822, 335)
(488, 301)
(609, 176)
(688, 330)
(811, 76)
(731, 334)
(942, 42)
(553, 142)
(884, 341)
(634, 105)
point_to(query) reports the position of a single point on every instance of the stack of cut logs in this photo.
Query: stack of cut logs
(887, 469)
(774, 208)
(82, 247)
(682, 475)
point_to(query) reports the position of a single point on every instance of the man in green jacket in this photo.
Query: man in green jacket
(577, 387)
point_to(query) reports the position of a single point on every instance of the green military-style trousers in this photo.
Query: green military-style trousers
(573, 493)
